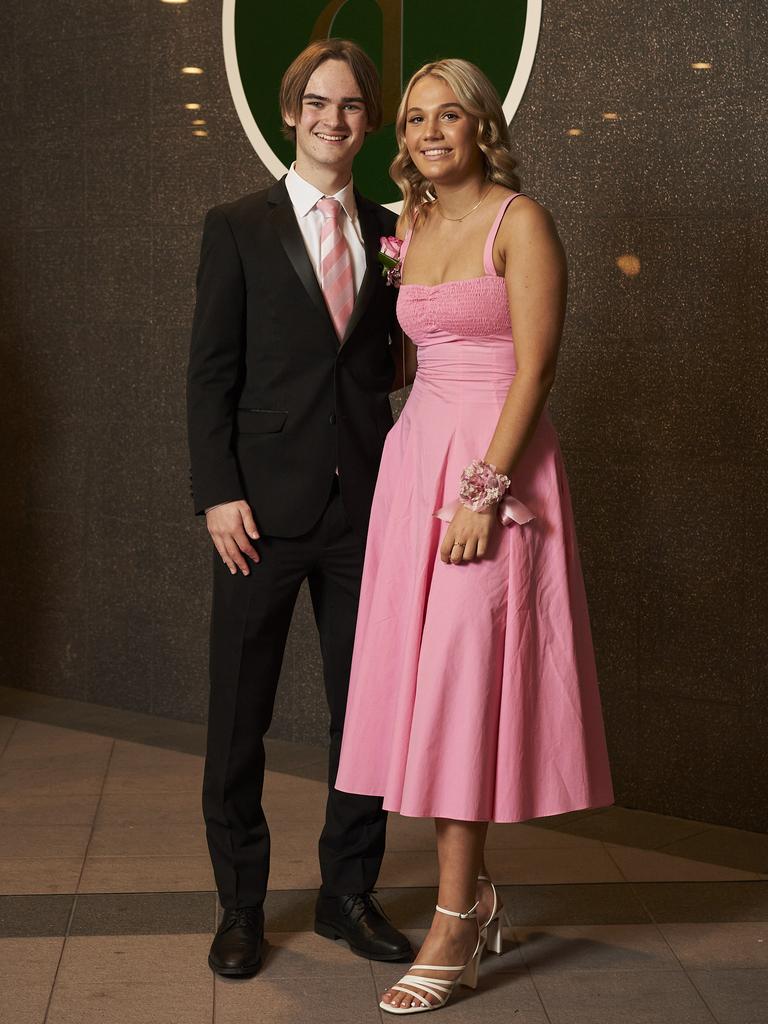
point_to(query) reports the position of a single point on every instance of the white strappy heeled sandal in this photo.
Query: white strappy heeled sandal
(440, 988)
(499, 918)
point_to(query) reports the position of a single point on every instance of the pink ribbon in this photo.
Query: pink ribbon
(509, 511)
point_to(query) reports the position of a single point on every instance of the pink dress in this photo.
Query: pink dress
(473, 693)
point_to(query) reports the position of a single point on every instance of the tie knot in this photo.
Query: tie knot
(330, 208)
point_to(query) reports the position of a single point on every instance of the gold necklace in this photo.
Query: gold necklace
(480, 200)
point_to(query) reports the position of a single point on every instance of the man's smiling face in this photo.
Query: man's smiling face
(333, 121)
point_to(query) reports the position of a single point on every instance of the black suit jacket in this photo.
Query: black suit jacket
(274, 403)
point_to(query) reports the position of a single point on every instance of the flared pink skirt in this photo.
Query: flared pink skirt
(473, 693)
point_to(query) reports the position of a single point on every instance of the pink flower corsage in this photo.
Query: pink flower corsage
(389, 258)
(481, 488)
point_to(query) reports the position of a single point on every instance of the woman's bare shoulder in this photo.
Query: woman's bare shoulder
(525, 218)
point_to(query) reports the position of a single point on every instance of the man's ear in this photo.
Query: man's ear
(289, 119)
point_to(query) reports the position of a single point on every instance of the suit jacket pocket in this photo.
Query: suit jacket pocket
(260, 421)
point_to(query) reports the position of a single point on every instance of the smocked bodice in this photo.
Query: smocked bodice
(474, 308)
(461, 329)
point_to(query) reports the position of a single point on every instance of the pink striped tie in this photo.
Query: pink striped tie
(335, 267)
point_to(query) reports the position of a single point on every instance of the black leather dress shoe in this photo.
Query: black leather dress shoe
(236, 948)
(360, 921)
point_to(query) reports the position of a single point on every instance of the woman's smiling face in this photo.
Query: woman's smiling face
(440, 135)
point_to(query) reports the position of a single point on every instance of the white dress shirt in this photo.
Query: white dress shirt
(303, 197)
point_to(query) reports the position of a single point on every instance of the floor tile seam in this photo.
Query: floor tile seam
(10, 734)
(115, 892)
(384, 890)
(137, 856)
(704, 1003)
(690, 980)
(535, 987)
(560, 971)
(687, 881)
(270, 974)
(756, 873)
(95, 815)
(614, 861)
(106, 730)
(692, 835)
(375, 990)
(680, 857)
(213, 973)
(65, 939)
(643, 924)
(701, 996)
(59, 856)
(730, 967)
(9, 821)
(585, 812)
(314, 763)
(515, 849)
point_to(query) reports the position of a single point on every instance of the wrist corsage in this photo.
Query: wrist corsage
(482, 487)
(389, 258)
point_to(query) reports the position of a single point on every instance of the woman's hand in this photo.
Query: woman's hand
(468, 535)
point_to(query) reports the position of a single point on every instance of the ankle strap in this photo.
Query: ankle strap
(455, 913)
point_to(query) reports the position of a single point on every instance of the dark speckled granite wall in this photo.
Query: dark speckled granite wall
(660, 396)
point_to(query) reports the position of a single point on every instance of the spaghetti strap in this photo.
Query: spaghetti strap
(488, 266)
(407, 241)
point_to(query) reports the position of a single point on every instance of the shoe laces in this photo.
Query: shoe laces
(242, 916)
(359, 903)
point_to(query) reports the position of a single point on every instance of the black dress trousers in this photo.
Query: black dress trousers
(249, 627)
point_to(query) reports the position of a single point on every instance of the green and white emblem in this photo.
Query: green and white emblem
(261, 40)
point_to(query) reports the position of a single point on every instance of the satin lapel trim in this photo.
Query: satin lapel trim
(290, 235)
(370, 229)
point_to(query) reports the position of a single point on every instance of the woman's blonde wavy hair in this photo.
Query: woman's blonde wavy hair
(479, 99)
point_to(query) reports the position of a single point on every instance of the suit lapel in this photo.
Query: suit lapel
(369, 228)
(284, 220)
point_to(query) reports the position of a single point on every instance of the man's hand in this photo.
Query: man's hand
(230, 525)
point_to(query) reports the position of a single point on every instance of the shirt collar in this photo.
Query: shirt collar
(304, 196)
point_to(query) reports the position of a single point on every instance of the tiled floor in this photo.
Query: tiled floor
(107, 905)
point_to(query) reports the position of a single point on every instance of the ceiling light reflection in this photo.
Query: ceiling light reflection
(701, 65)
(574, 132)
(200, 131)
(199, 120)
(610, 115)
(190, 69)
(191, 106)
(628, 264)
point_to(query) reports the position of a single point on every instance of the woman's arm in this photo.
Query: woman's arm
(536, 278)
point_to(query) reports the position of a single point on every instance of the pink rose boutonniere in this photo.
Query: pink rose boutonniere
(389, 258)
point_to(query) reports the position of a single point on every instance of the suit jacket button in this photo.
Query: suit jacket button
(332, 419)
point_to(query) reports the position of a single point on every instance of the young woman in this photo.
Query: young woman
(473, 695)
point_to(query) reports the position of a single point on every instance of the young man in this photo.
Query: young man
(289, 375)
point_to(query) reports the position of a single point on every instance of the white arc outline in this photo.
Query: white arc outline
(264, 151)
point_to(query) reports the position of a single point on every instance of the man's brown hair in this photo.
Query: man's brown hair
(295, 79)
